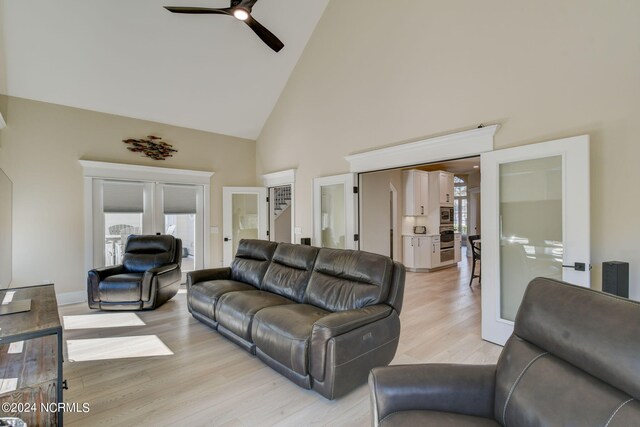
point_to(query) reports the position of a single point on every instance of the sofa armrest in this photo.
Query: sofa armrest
(103, 272)
(159, 277)
(339, 323)
(97, 275)
(194, 277)
(463, 389)
(163, 269)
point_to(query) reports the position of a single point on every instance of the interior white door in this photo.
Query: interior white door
(334, 212)
(535, 222)
(244, 216)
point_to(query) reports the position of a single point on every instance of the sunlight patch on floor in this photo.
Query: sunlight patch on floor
(103, 320)
(8, 384)
(116, 348)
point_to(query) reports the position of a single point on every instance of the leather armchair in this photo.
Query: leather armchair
(148, 277)
(572, 360)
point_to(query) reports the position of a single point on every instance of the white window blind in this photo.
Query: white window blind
(179, 199)
(123, 197)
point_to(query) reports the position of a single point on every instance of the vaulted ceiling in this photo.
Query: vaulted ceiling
(133, 58)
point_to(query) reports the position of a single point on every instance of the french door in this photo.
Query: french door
(535, 222)
(244, 216)
(125, 207)
(334, 212)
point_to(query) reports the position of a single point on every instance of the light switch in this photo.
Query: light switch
(215, 230)
(298, 230)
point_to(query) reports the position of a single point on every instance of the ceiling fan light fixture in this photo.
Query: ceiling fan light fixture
(241, 13)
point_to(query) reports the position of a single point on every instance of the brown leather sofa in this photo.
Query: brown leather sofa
(148, 277)
(321, 317)
(573, 360)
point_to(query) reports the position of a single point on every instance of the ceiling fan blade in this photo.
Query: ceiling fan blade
(199, 10)
(267, 36)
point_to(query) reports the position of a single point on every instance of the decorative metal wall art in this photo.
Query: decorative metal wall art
(151, 147)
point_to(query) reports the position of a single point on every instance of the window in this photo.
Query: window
(460, 205)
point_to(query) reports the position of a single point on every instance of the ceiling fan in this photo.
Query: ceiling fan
(240, 9)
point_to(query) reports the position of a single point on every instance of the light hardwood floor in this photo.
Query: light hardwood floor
(209, 381)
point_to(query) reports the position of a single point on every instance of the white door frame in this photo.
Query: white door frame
(348, 180)
(93, 171)
(575, 232)
(227, 217)
(397, 238)
(283, 178)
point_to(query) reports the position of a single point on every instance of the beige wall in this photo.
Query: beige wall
(372, 77)
(40, 149)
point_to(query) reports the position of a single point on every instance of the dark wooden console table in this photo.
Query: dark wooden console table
(32, 377)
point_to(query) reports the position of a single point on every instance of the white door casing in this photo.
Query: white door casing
(260, 193)
(574, 154)
(96, 173)
(350, 207)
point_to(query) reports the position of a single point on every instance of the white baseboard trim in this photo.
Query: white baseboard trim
(66, 298)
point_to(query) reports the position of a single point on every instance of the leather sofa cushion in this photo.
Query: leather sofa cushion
(252, 260)
(346, 279)
(577, 326)
(146, 252)
(289, 271)
(283, 333)
(534, 387)
(435, 419)
(235, 310)
(121, 287)
(203, 296)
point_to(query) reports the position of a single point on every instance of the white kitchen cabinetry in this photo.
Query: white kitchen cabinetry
(421, 252)
(435, 252)
(416, 192)
(408, 256)
(445, 181)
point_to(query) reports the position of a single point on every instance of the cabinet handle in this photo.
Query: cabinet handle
(412, 241)
(433, 251)
(422, 210)
(447, 198)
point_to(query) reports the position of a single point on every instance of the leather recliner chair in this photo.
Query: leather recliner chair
(573, 360)
(148, 277)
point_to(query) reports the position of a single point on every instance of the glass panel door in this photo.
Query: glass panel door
(120, 214)
(182, 218)
(333, 231)
(535, 222)
(531, 242)
(244, 217)
(334, 212)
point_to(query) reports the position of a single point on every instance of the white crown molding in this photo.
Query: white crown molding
(446, 147)
(275, 179)
(94, 169)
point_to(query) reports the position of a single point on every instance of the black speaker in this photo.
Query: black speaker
(615, 278)
(305, 241)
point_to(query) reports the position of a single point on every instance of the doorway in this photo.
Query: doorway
(280, 213)
(406, 221)
(571, 253)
